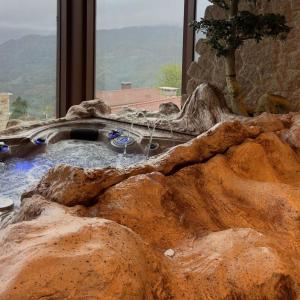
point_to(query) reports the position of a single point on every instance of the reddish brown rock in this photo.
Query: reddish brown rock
(65, 257)
(233, 221)
(72, 186)
(226, 204)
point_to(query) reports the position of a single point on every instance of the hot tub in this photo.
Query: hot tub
(92, 143)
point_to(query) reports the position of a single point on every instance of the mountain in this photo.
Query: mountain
(28, 69)
(10, 32)
(136, 54)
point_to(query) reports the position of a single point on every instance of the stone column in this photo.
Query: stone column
(4, 109)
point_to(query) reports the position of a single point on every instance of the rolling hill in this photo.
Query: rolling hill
(136, 54)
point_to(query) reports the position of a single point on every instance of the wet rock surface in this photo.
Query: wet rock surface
(224, 207)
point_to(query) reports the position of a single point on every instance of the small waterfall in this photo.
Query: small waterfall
(152, 132)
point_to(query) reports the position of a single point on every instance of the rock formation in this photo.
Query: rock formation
(205, 108)
(88, 109)
(270, 66)
(215, 218)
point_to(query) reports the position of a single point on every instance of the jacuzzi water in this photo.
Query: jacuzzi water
(17, 174)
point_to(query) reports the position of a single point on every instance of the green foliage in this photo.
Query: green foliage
(228, 35)
(170, 76)
(31, 72)
(19, 109)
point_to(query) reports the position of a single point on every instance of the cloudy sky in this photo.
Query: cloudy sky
(121, 13)
(20, 17)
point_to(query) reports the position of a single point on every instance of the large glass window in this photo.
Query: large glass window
(27, 60)
(139, 52)
(200, 13)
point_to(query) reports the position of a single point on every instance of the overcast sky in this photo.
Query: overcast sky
(122, 13)
(39, 16)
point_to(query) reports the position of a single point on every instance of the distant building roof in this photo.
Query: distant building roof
(6, 94)
(140, 98)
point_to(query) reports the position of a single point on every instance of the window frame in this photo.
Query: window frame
(76, 29)
(76, 51)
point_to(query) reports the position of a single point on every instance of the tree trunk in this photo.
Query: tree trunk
(233, 86)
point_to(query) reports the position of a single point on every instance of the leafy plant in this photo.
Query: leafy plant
(170, 76)
(19, 109)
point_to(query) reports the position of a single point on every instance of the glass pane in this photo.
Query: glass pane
(27, 60)
(139, 52)
(201, 7)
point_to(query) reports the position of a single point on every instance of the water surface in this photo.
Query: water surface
(17, 174)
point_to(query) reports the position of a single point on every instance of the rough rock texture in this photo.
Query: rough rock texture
(61, 256)
(270, 66)
(292, 136)
(14, 122)
(168, 108)
(205, 108)
(71, 186)
(226, 205)
(88, 109)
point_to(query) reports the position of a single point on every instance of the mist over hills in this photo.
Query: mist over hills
(136, 54)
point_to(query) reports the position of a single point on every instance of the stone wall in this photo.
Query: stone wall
(4, 110)
(271, 66)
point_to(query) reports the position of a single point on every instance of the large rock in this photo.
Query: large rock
(88, 109)
(72, 185)
(270, 66)
(66, 257)
(205, 108)
(225, 206)
(231, 223)
(168, 108)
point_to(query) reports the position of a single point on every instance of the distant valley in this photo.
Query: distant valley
(136, 54)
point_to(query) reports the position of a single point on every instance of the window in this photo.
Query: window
(201, 7)
(27, 60)
(140, 48)
(139, 53)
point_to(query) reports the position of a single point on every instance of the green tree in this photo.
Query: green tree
(19, 109)
(170, 76)
(225, 36)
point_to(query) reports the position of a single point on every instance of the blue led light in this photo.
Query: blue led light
(115, 134)
(23, 166)
(122, 141)
(40, 141)
(4, 148)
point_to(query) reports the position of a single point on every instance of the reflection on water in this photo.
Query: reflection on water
(18, 174)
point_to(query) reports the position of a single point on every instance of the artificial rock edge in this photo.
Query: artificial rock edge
(226, 204)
